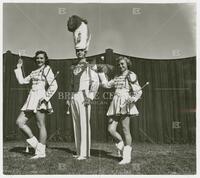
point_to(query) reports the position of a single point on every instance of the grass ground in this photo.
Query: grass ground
(146, 159)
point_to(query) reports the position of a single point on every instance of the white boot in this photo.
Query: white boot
(126, 155)
(40, 151)
(32, 141)
(120, 147)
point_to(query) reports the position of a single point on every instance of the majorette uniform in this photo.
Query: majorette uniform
(126, 86)
(39, 78)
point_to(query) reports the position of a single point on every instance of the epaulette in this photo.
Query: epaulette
(130, 79)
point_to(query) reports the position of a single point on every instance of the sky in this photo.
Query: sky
(154, 31)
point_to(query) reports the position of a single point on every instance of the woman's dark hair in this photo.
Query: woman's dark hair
(45, 56)
(128, 61)
(74, 22)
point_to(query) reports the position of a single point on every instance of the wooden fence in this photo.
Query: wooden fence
(167, 108)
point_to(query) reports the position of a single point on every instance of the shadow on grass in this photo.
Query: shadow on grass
(94, 152)
(22, 150)
(104, 154)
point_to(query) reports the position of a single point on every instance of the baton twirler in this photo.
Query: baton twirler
(127, 102)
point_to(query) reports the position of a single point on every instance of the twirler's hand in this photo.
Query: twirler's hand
(68, 102)
(20, 63)
(41, 101)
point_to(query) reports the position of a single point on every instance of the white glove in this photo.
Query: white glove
(20, 63)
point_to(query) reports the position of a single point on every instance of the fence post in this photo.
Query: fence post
(109, 56)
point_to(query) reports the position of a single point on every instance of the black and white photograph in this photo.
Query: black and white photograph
(99, 88)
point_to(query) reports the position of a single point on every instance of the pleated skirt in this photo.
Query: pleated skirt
(32, 102)
(119, 107)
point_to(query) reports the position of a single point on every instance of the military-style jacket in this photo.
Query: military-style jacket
(84, 77)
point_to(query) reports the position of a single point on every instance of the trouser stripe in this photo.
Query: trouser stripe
(87, 126)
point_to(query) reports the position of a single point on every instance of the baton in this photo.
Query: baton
(147, 83)
(126, 102)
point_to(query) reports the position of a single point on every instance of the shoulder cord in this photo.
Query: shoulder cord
(45, 76)
(128, 78)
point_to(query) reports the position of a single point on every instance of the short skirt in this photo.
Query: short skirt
(32, 102)
(119, 108)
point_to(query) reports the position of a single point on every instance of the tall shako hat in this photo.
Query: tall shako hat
(79, 27)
